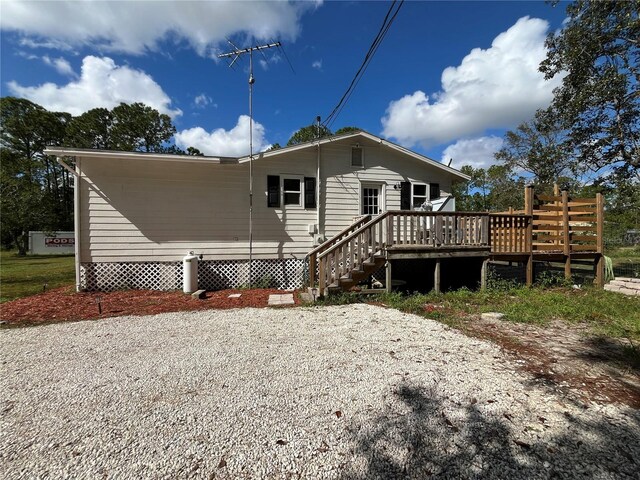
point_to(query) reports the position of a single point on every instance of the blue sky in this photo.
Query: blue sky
(447, 81)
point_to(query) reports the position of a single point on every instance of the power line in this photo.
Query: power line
(377, 41)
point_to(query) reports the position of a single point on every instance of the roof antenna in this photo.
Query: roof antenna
(450, 160)
(318, 118)
(236, 53)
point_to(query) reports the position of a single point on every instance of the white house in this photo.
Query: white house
(138, 214)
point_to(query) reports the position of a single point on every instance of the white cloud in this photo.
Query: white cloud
(102, 83)
(317, 64)
(477, 152)
(494, 88)
(226, 143)
(62, 66)
(136, 27)
(202, 100)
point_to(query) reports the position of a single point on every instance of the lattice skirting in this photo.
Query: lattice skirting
(283, 273)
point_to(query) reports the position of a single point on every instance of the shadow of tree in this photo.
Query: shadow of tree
(424, 435)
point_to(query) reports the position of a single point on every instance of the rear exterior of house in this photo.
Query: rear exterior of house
(137, 215)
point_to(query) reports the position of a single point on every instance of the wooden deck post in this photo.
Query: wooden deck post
(322, 274)
(388, 277)
(483, 274)
(600, 240)
(528, 210)
(436, 276)
(312, 270)
(566, 240)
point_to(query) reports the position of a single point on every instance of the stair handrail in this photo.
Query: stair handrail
(355, 233)
(338, 236)
(313, 254)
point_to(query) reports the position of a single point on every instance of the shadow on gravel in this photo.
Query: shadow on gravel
(612, 352)
(422, 437)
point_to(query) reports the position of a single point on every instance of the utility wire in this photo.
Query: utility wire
(377, 41)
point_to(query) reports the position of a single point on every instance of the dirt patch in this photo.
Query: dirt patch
(63, 304)
(567, 359)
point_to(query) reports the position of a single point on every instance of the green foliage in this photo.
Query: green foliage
(24, 276)
(537, 147)
(598, 102)
(308, 134)
(606, 313)
(140, 127)
(344, 130)
(36, 191)
(494, 189)
(92, 129)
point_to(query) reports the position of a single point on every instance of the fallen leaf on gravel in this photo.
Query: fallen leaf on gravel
(282, 442)
(474, 400)
(323, 447)
(338, 413)
(491, 401)
(522, 444)
(223, 463)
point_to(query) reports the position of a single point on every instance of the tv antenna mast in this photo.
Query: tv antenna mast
(236, 53)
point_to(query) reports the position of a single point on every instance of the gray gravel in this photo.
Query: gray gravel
(335, 392)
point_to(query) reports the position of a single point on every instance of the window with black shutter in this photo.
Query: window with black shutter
(273, 191)
(405, 196)
(434, 191)
(309, 192)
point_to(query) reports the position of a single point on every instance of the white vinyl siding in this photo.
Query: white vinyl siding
(136, 211)
(340, 194)
(144, 210)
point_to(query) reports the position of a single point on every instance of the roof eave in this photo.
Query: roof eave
(112, 155)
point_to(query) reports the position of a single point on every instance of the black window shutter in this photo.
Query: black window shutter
(434, 190)
(309, 192)
(273, 191)
(405, 196)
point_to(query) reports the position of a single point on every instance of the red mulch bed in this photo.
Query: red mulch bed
(63, 304)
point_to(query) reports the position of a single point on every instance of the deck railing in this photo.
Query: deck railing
(398, 229)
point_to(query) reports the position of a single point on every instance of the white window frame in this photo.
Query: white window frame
(425, 196)
(300, 179)
(361, 148)
(381, 196)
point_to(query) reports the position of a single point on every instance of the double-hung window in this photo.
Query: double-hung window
(292, 191)
(418, 195)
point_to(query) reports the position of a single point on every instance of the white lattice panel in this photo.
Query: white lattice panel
(212, 275)
(107, 277)
(276, 273)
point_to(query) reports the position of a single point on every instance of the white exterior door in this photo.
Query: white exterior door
(371, 199)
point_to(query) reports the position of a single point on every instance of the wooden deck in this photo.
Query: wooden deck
(551, 228)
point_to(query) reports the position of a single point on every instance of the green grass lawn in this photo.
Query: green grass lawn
(24, 276)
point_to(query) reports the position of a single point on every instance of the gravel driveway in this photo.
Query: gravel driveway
(335, 392)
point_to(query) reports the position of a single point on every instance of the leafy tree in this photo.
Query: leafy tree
(344, 130)
(36, 191)
(537, 147)
(494, 189)
(140, 127)
(275, 146)
(195, 152)
(308, 134)
(92, 129)
(599, 99)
